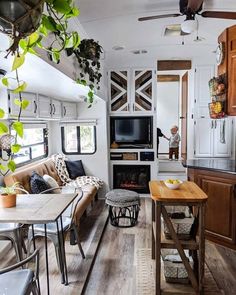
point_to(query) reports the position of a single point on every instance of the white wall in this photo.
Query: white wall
(167, 110)
(95, 164)
(204, 56)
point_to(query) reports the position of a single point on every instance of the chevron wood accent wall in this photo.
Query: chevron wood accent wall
(119, 91)
(143, 90)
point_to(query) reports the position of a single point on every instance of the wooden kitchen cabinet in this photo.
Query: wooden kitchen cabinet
(231, 106)
(221, 205)
(228, 66)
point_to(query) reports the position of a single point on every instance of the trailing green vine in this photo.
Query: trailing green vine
(53, 24)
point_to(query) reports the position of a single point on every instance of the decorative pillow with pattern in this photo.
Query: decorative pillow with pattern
(37, 183)
(60, 165)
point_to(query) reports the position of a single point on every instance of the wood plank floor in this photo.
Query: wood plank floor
(115, 265)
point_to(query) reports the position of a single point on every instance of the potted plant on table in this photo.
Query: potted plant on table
(8, 196)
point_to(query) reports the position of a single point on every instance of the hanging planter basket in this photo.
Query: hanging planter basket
(89, 49)
(20, 18)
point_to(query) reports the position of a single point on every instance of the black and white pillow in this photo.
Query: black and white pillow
(37, 183)
(59, 161)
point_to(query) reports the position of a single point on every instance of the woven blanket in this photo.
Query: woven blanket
(84, 180)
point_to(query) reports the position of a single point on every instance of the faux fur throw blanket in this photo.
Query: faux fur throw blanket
(84, 180)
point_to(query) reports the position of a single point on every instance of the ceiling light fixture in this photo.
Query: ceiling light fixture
(189, 25)
(118, 47)
(139, 51)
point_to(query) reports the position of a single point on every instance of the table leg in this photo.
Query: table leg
(201, 247)
(64, 253)
(33, 236)
(158, 246)
(60, 255)
(46, 256)
(153, 237)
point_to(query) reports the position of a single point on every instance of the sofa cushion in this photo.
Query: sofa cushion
(37, 183)
(75, 168)
(52, 183)
(22, 175)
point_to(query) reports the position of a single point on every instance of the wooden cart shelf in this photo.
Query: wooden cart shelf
(191, 244)
(189, 194)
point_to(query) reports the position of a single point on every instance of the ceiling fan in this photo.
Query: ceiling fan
(191, 8)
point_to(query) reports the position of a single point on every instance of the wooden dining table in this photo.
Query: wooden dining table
(40, 209)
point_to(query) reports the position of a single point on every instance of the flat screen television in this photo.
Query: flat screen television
(131, 131)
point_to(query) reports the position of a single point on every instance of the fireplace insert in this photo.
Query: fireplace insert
(131, 177)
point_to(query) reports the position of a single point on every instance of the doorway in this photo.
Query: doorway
(172, 108)
(168, 96)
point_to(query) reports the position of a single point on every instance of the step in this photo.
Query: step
(170, 166)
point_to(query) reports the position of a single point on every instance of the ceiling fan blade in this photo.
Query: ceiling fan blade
(194, 5)
(158, 16)
(219, 14)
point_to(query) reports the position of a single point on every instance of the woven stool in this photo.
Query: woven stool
(123, 204)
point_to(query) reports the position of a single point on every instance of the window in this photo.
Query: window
(34, 143)
(78, 139)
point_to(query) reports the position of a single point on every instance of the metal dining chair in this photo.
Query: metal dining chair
(57, 234)
(13, 232)
(23, 281)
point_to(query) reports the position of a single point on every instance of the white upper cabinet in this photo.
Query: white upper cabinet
(131, 91)
(45, 106)
(202, 94)
(30, 112)
(69, 110)
(56, 109)
(223, 129)
(203, 138)
(213, 138)
(49, 108)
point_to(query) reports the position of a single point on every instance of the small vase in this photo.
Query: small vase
(7, 201)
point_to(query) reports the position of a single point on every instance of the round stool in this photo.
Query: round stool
(123, 204)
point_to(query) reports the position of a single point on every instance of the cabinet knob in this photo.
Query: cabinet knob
(182, 117)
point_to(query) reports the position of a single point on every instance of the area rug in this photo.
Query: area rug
(145, 272)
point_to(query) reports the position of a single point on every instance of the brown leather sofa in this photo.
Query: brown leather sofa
(22, 176)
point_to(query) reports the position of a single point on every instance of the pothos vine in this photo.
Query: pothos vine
(53, 23)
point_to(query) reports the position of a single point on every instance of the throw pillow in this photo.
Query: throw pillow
(59, 161)
(37, 183)
(52, 184)
(75, 168)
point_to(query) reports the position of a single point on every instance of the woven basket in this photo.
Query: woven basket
(181, 226)
(175, 271)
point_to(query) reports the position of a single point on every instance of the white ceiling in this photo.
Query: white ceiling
(113, 23)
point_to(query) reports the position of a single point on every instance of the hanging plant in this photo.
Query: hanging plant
(27, 26)
(88, 55)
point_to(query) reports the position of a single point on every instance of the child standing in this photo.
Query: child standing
(174, 143)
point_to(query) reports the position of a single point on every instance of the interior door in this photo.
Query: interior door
(184, 115)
